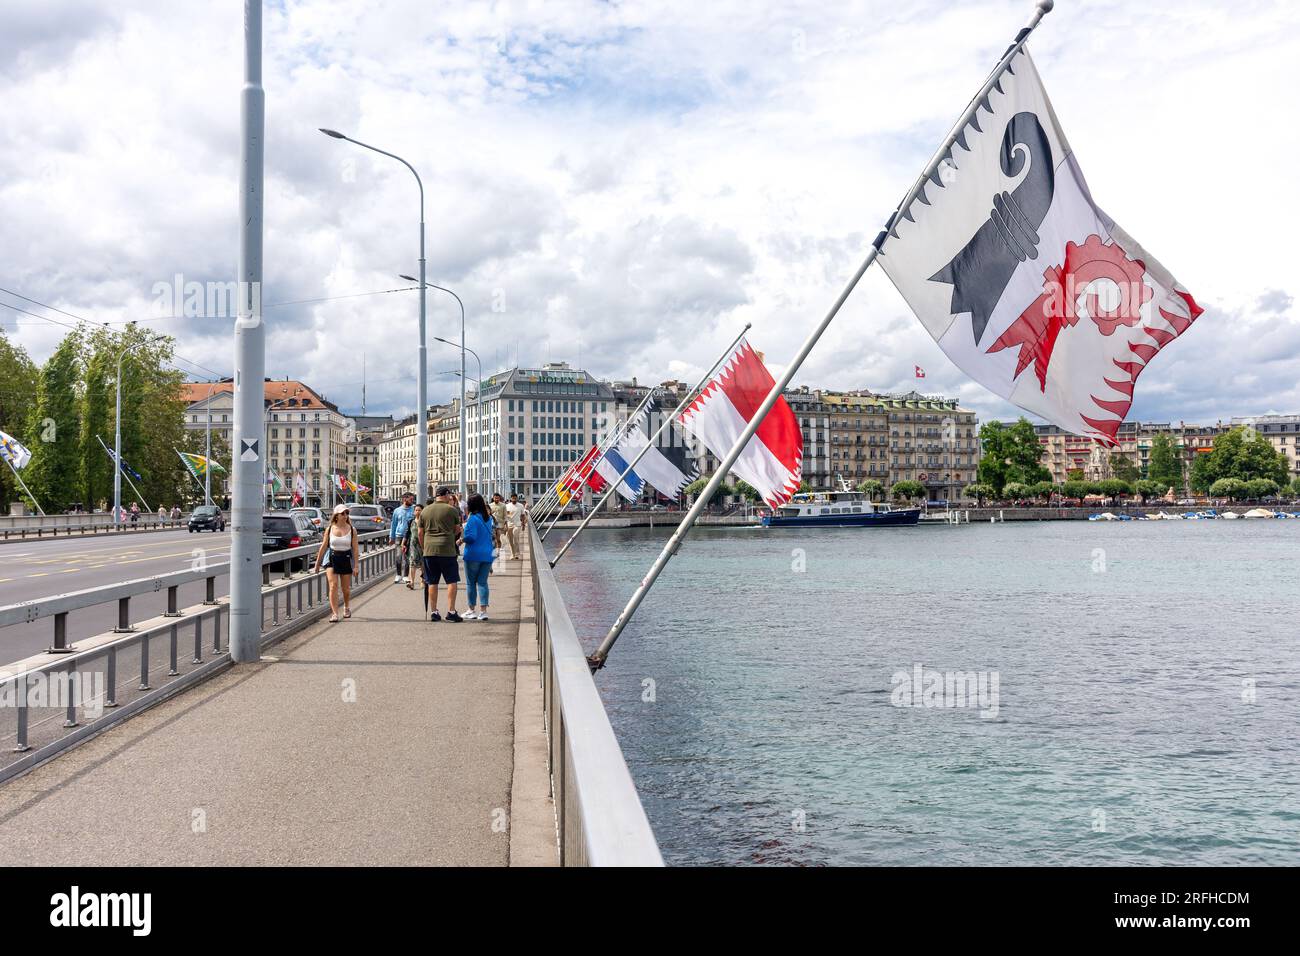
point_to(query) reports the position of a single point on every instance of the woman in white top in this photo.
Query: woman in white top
(341, 542)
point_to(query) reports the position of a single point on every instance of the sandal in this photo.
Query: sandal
(334, 618)
(347, 612)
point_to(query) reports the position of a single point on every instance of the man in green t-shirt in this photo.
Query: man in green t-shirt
(439, 532)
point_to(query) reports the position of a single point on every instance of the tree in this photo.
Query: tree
(1075, 488)
(18, 378)
(1149, 489)
(1114, 487)
(747, 491)
(1074, 474)
(1295, 487)
(1235, 455)
(365, 476)
(1261, 488)
(1042, 489)
(1165, 465)
(1015, 490)
(872, 488)
(54, 425)
(697, 486)
(1122, 467)
(1010, 454)
(906, 490)
(1233, 488)
(979, 492)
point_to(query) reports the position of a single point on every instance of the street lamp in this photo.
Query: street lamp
(478, 408)
(429, 285)
(422, 382)
(117, 432)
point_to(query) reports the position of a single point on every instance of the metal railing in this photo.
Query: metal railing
(49, 706)
(597, 809)
(35, 529)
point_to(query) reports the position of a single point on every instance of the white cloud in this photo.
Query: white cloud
(633, 180)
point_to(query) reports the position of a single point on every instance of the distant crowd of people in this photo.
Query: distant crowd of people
(430, 540)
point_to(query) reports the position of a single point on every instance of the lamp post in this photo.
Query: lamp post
(117, 434)
(429, 285)
(422, 381)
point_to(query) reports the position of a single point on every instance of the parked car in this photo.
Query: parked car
(283, 530)
(207, 518)
(315, 515)
(367, 517)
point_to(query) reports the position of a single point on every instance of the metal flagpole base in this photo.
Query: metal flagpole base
(595, 662)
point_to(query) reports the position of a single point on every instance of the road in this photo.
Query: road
(36, 569)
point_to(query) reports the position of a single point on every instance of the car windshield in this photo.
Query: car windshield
(203, 510)
(280, 523)
(363, 511)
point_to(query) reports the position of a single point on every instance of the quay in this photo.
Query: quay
(380, 740)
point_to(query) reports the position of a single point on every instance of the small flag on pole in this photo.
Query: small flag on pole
(772, 460)
(1023, 281)
(920, 372)
(198, 465)
(13, 451)
(653, 467)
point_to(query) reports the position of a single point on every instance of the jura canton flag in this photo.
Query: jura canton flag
(772, 461)
(1024, 282)
(653, 467)
(14, 451)
(611, 465)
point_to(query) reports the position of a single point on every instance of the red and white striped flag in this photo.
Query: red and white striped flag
(772, 461)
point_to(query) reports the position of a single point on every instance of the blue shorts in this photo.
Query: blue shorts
(441, 567)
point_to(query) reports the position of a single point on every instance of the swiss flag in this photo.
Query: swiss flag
(920, 372)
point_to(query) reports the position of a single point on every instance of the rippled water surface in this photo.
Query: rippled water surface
(1148, 691)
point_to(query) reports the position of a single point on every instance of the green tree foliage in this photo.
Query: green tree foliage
(1233, 488)
(979, 492)
(1016, 491)
(695, 487)
(1122, 467)
(747, 491)
(18, 377)
(365, 476)
(1261, 488)
(195, 442)
(1235, 455)
(1042, 489)
(1149, 489)
(907, 490)
(1165, 464)
(1295, 487)
(54, 424)
(1114, 487)
(873, 488)
(1074, 474)
(1075, 488)
(1010, 454)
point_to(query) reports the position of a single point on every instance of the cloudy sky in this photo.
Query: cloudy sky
(624, 185)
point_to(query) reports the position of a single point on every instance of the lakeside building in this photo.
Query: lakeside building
(1064, 452)
(302, 430)
(1282, 432)
(362, 446)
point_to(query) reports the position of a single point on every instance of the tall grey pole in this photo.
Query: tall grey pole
(117, 447)
(650, 443)
(207, 453)
(247, 451)
(597, 660)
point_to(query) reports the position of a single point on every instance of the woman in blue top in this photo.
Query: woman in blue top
(478, 556)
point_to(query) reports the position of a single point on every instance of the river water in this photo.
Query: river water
(1018, 693)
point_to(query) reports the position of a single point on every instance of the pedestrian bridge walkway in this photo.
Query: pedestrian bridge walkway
(383, 740)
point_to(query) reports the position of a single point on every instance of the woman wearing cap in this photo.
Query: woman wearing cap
(341, 541)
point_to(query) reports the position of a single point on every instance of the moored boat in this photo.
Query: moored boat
(838, 509)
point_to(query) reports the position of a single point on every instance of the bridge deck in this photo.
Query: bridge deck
(383, 739)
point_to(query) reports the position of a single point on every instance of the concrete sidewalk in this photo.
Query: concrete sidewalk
(380, 740)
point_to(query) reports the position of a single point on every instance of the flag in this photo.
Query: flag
(126, 468)
(300, 486)
(13, 451)
(653, 467)
(341, 482)
(772, 461)
(198, 466)
(611, 465)
(571, 482)
(920, 372)
(1023, 281)
(274, 481)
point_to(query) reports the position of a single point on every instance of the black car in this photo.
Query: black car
(284, 530)
(207, 518)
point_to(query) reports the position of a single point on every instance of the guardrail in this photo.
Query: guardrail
(597, 809)
(68, 529)
(80, 686)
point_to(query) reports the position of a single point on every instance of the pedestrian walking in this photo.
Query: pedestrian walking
(399, 537)
(440, 533)
(514, 526)
(135, 513)
(415, 564)
(498, 509)
(162, 513)
(478, 557)
(344, 555)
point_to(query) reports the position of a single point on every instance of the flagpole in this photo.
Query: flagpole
(542, 511)
(118, 462)
(617, 435)
(597, 660)
(20, 481)
(690, 396)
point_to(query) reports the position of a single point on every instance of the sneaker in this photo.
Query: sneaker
(471, 615)
(454, 618)
(397, 579)
(435, 616)
(482, 615)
